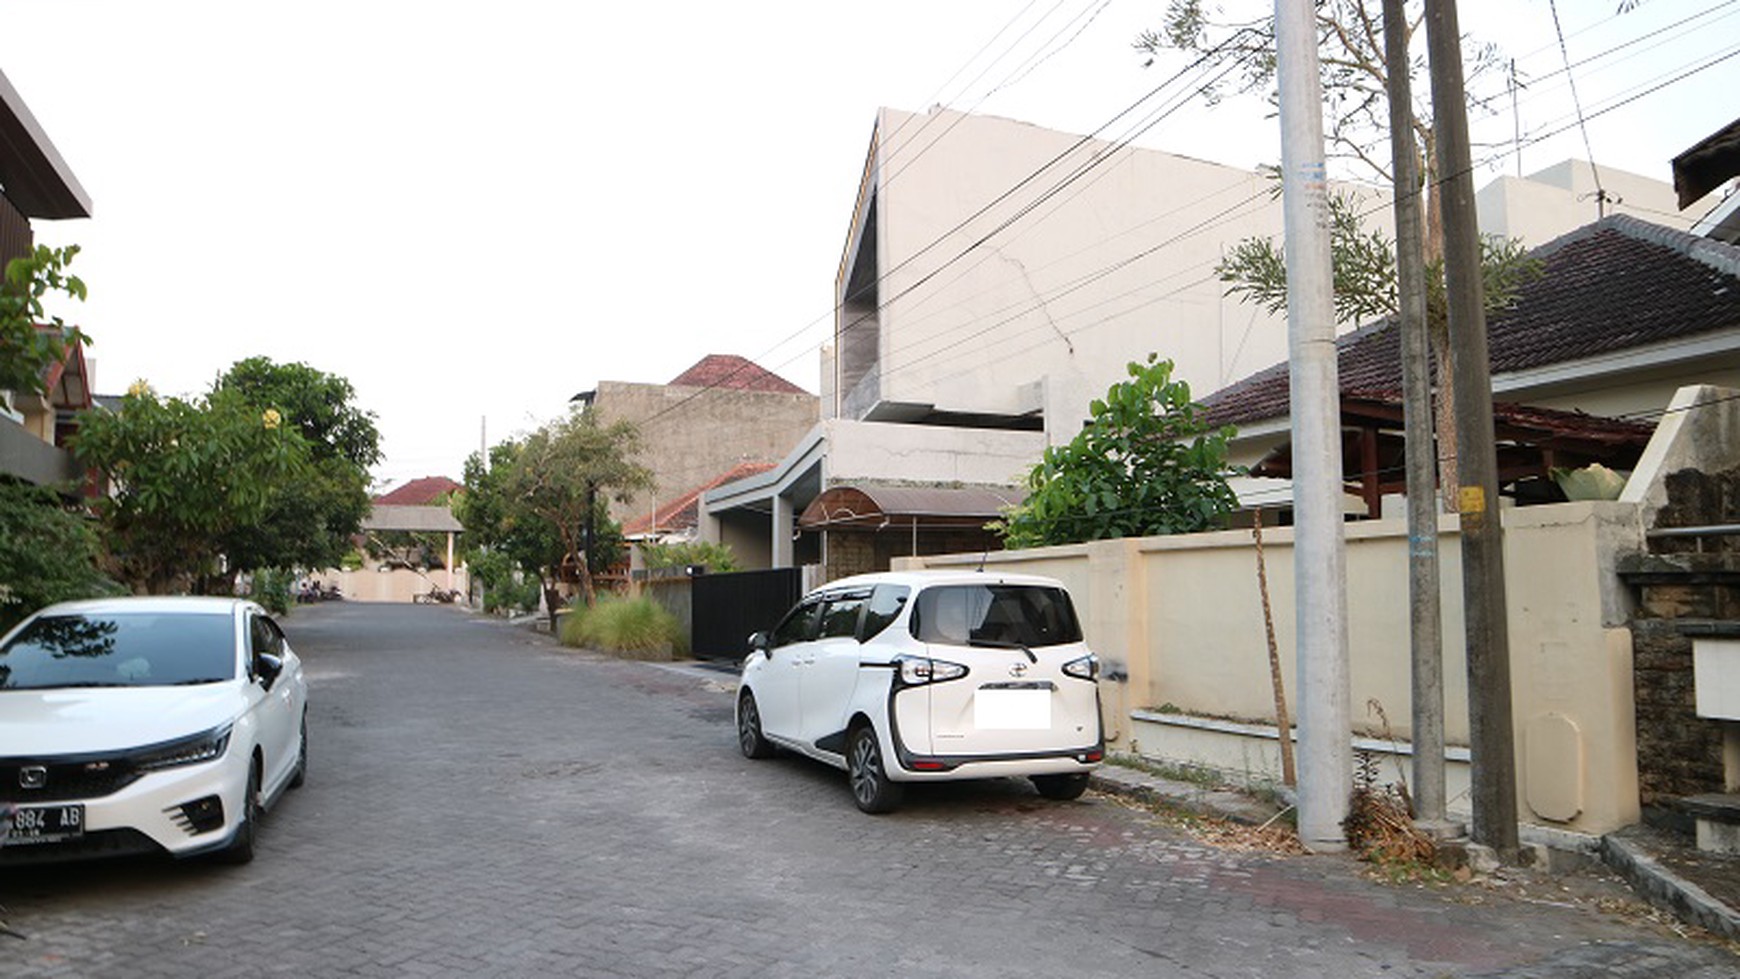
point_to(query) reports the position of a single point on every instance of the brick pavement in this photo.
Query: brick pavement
(481, 803)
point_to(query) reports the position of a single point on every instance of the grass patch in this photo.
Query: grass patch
(638, 627)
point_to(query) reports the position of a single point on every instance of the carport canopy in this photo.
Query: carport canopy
(872, 506)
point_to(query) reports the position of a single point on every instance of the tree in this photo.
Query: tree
(48, 553)
(1355, 79)
(308, 523)
(1145, 463)
(26, 352)
(184, 477)
(505, 535)
(562, 470)
(1356, 87)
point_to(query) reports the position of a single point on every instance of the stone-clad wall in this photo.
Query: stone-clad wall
(1687, 586)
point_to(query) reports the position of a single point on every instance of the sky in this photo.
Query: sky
(473, 211)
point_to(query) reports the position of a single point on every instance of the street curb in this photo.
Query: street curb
(1667, 890)
(1232, 806)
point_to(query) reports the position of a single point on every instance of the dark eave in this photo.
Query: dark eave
(1707, 165)
(32, 174)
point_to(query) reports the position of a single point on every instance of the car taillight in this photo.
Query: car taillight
(918, 670)
(1086, 668)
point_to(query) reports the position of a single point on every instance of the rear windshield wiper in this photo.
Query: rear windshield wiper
(1000, 644)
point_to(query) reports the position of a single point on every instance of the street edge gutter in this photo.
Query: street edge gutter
(1667, 890)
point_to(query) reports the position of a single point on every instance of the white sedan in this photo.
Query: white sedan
(134, 725)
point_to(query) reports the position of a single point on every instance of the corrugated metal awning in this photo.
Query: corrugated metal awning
(873, 505)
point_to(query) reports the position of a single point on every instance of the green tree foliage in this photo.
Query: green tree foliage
(48, 553)
(26, 352)
(506, 538)
(308, 523)
(566, 469)
(1364, 263)
(1144, 464)
(185, 476)
(715, 557)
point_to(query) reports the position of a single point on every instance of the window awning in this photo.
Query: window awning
(872, 506)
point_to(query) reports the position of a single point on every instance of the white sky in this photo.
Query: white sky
(476, 210)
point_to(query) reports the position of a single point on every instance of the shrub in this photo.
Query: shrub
(48, 553)
(272, 589)
(716, 557)
(637, 626)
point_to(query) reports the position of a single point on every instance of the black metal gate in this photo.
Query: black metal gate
(728, 607)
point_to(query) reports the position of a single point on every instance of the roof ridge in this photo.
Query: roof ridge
(1718, 255)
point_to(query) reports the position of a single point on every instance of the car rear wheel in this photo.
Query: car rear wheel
(872, 790)
(1061, 787)
(241, 848)
(749, 736)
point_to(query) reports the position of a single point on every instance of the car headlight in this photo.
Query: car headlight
(918, 670)
(202, 747)
(1086, 668)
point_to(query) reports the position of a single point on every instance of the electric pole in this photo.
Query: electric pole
(1425, 632)
(1491, 729)
(1319, 551)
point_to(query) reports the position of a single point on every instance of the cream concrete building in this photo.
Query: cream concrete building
(996, 277)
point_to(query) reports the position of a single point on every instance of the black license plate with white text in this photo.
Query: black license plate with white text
(41, 824)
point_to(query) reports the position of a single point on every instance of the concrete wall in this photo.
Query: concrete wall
(886, 452)
(1182, 616)
(399, 585)
(690, 435)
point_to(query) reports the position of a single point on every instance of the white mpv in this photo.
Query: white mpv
(925, 676)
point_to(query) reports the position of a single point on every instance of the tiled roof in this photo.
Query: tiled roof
(737, 373)
(684, 512)
(419, 492)
(1616, 285)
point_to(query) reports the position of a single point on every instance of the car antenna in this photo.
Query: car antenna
(982, 555)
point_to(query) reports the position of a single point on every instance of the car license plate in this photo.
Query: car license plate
(1002, 709)
(42, 824)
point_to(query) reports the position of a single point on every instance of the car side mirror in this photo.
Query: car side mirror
(267, 667)
(758, 641)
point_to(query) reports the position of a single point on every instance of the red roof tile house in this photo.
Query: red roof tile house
(423, 491)
(724, 410)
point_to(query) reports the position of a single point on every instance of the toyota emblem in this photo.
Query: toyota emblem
(1018, 670)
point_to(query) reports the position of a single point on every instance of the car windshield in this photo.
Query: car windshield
(995, 615)
(126, 649)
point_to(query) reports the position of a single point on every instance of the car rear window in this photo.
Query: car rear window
(119, 650)
(995, 615)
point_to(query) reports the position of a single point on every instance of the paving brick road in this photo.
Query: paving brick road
(482, 803)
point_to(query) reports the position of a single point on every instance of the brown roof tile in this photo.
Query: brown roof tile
(419, 492)
(1608, 287)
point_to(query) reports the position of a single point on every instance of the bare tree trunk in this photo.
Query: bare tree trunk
(1444, 417)
(1288, 774)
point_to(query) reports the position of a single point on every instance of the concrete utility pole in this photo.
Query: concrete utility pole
(1319, 550)
(1425, 631)
(1491, 729)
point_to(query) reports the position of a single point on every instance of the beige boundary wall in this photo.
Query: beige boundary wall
(1182, 618)
(398, 585)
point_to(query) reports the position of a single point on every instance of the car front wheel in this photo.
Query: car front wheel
(749, 737)
(872, 790)
(241, 848)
